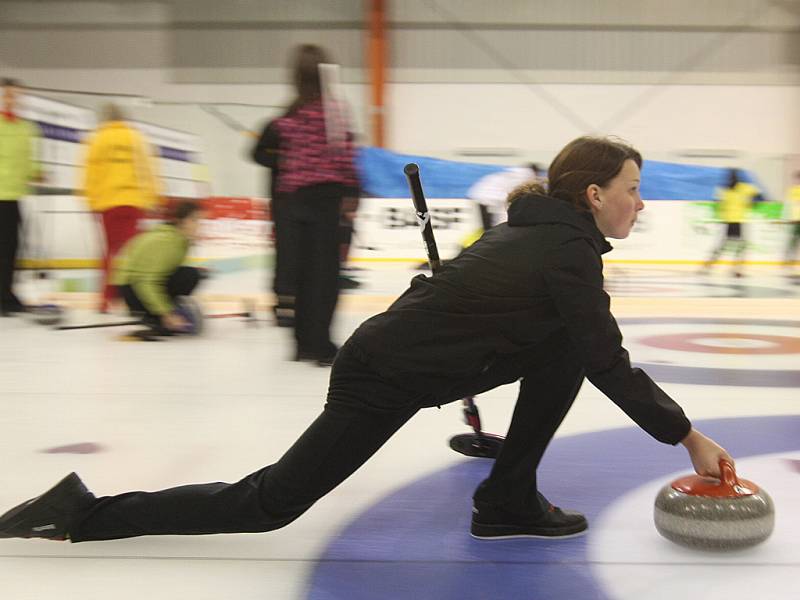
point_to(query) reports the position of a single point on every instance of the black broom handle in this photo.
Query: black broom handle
(423, 215)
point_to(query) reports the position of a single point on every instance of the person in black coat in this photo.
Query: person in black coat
(524, 303)
(316, 172)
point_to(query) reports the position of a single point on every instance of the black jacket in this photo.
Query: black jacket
(537, 275)
(265, 152)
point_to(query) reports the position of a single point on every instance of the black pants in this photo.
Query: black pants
(734, 239)
(550, 378)
(362, 412)
(181, 283)
(10, 221)
(285, 274)
(794, 241)
(310, 240)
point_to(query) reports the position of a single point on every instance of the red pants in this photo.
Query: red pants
(120, 224)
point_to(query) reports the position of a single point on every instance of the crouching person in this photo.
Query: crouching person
(150, 273)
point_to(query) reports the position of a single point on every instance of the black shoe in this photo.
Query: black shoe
(47, 516)
(154, 328)
(323, 359)
(328, 355)
(305, 355)
(493, 523)
(348, 283)
(9, 308)
(326, 361)
(12, 304)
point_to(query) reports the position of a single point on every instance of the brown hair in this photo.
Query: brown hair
(305, 72)
(112, 112)
(525, 189)
(585, 161)
(183, 210)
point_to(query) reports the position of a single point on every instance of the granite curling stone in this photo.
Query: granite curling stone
(189, 309)
(714, 514)
(47, 314)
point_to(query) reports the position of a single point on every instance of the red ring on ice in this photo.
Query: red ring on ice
(687, 342)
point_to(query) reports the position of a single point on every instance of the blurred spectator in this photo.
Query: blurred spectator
(492, 191)
(150, 274)
(733, 204)
(793, 215)
(17, 169)
(120, 184)
(316, 172)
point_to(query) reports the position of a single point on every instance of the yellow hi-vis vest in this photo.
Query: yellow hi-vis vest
(793, 203)
(734, 203)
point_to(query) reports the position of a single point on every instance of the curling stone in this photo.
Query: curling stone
(186, 307)
(714, 514)
(47, 314)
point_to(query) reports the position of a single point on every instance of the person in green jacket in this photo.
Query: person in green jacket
(150, 273)
(17, 169)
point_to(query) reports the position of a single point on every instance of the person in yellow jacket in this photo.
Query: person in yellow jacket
(793, 214)
(17, 168)
(120, 184)
(733, 204)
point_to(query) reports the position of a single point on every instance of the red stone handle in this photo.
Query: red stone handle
(728, 473)
(728, 485)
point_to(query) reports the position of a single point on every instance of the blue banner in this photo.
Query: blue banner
(382, 176)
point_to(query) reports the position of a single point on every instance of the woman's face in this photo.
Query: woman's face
(615, 206)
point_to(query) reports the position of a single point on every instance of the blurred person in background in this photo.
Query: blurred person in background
(793, 216)
(733, 205)
(150, 274)
(492, 191)
(18, 168)
(315, 175)
(120, 184)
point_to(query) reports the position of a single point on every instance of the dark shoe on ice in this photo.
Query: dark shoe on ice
(326, 361)
(12, 304)
(490, 523)
(305, 355)
(348, 283)
(47, 516)
(322, 359)
(10, 308)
